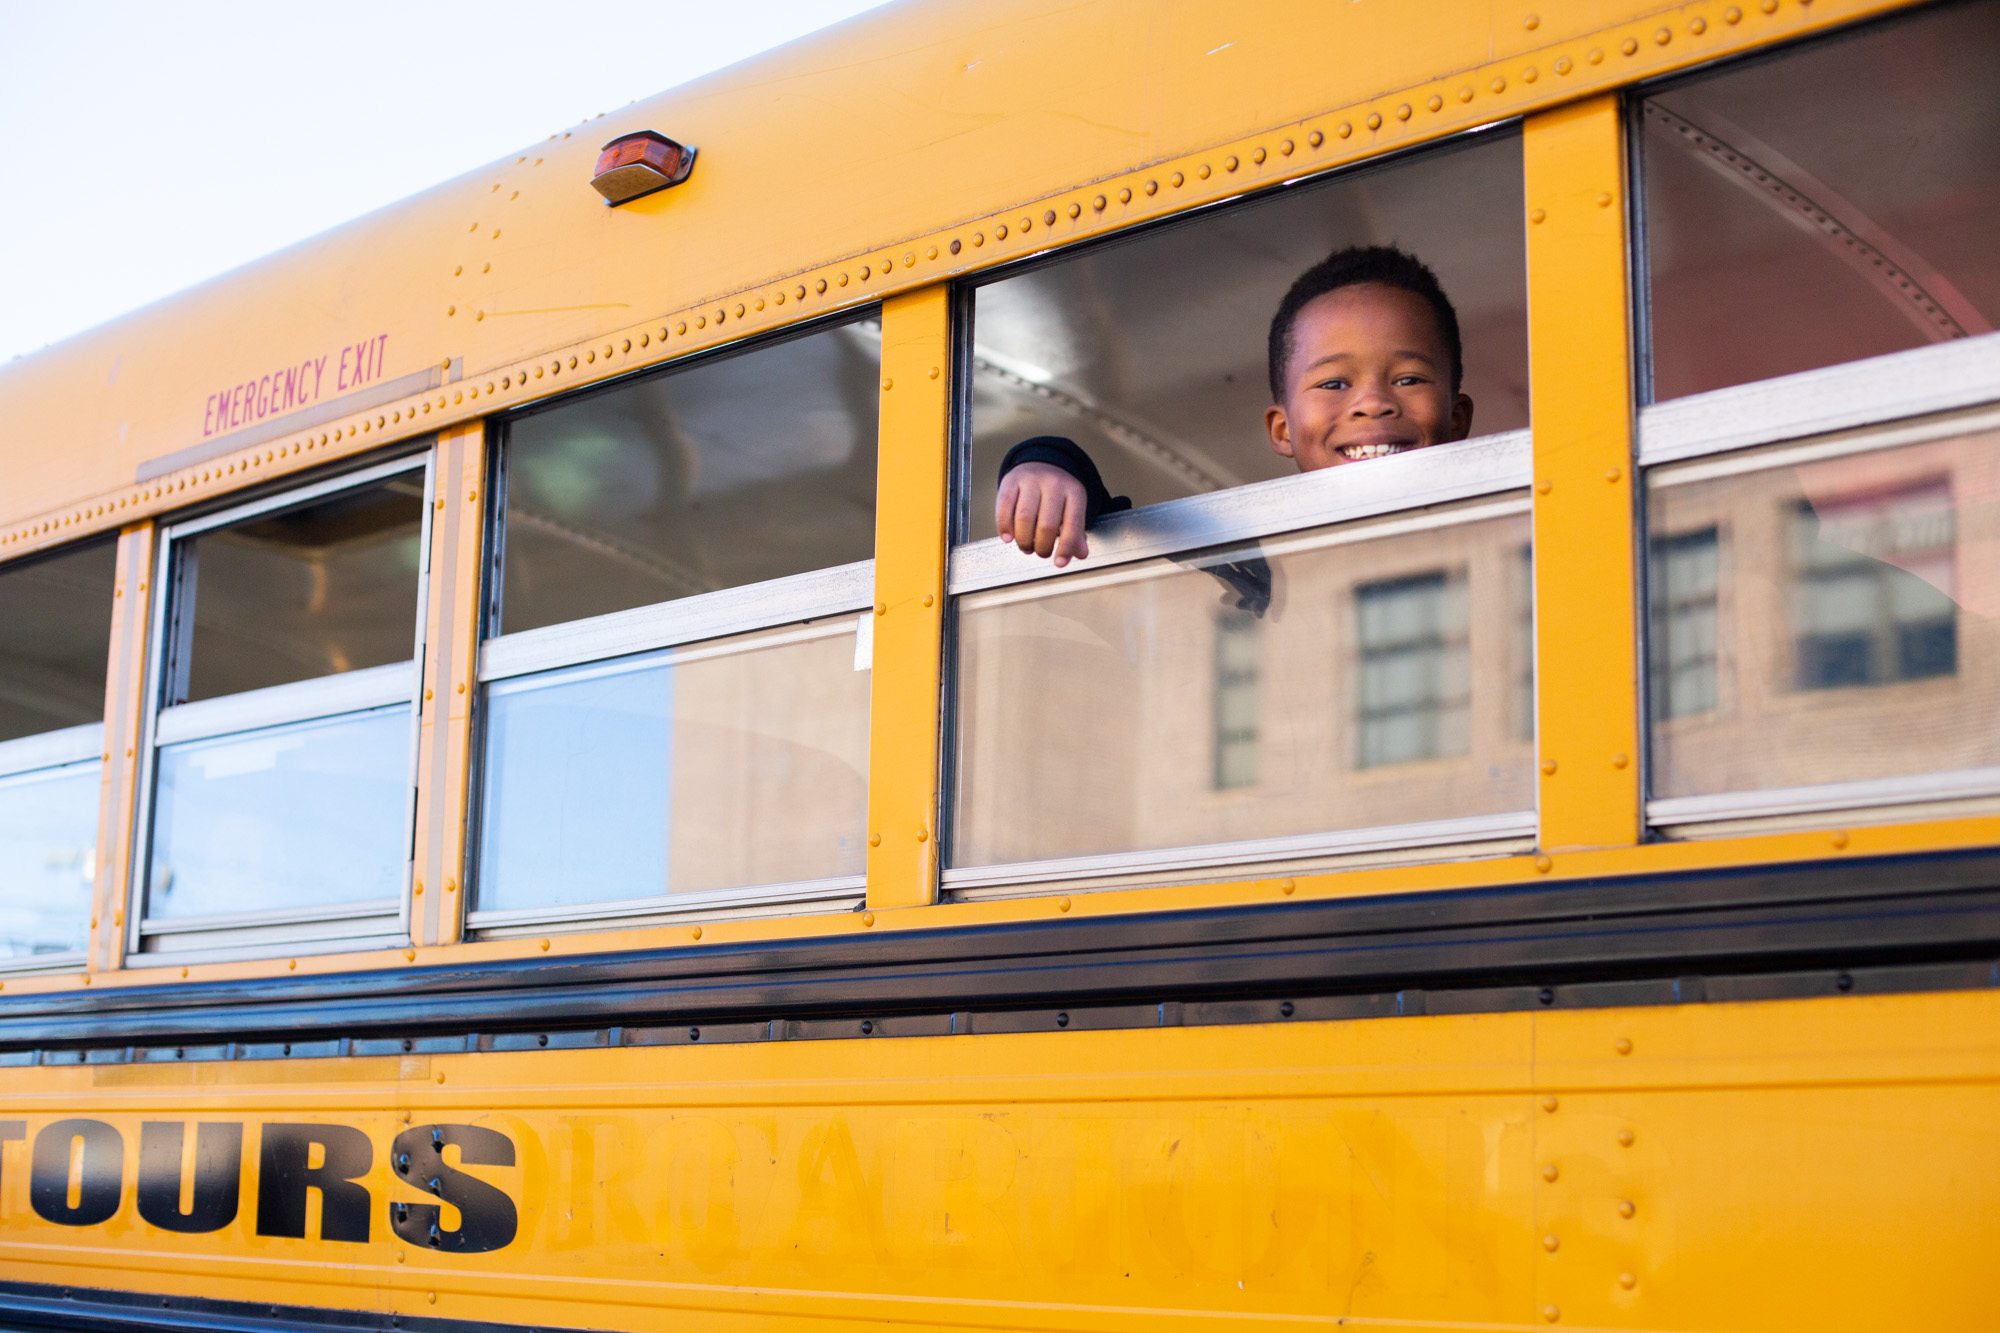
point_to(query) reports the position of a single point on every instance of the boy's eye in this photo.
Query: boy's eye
(1410, 379)
(1333, 384)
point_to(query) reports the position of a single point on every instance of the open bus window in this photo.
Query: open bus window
(1269, 658)
(55, 641)
(1825, 623)
(675, 711)
(284, 720)
(1150, 353)
(1824, 204)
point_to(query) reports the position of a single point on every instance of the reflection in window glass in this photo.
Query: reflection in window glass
(1524, 631)
(1235, 700)
(48, 859)
(1859, 618)
(736, 763)
(1151, 352)
(1854, 630)
(1684, 578)
(1833, 202)
(311, 814)
(1372, 691)
(733, 471)
(325, 588)
(55, 639)
(1413, 634)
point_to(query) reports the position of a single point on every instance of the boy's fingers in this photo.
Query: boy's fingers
(1027, 512)
(1071, 542)
(1049, 522)
(1003, 507)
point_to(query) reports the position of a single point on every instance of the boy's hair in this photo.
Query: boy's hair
(1383, 264)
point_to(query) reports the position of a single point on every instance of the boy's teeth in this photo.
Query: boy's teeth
(1356, 452)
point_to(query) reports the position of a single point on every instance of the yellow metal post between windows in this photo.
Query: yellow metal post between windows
(1579, 348)
(451, 661)
(912, 482)
(124, 708)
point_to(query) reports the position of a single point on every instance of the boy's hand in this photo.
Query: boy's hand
(1041, 509)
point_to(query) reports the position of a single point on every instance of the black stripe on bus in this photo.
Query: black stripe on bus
(1886, 912)
(39, 1305)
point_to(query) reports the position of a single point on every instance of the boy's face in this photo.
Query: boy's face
(1369, 376)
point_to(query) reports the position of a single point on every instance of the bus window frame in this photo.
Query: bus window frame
(1805, 441)
(27, 759)
(1854, 395)
(1848, 408)
(965, 289)
(41, 754)
(1494, 467)
(1675, 432)
(260, 934)
(649, 631)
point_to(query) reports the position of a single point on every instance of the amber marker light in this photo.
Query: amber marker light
(636, 164)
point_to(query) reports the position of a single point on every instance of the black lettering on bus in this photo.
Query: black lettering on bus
(100, 1172)
(284, 1175)
(218, 1175)
(486, 1218)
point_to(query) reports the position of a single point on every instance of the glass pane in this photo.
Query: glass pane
(313, 591)
(48, 859)
(1350, 677)
(1831, 203)
(733, 471)
(730, 764)
(55, 640)
(1151, 353)
(1826, 620)
(310, 814)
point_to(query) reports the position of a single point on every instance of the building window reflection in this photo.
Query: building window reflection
(1873, 604)
(1684, 583)
(1235, 700)
(1413, 638)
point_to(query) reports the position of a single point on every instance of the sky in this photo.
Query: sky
(153, 145)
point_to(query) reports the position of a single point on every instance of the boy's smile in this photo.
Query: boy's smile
(1369, 375)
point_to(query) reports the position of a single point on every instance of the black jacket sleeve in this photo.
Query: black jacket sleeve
(1070, 457)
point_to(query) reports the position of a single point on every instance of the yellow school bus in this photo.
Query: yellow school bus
(531, 796)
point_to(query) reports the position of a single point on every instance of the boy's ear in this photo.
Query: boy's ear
(1461, 418)
(1279, 427)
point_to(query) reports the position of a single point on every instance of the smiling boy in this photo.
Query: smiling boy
(1365, 361)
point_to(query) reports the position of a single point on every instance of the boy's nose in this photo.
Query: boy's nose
(1370, 401)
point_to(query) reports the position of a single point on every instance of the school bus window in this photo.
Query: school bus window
(1377, 708)
(735, 471)
(282, 730)
(1820, 290)
(1289, 648)
(1826, 204)
(676, 701)
(1847, 654)
(55, 640)
(1151, 355)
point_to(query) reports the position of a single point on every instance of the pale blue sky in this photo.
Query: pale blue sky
(151, 146)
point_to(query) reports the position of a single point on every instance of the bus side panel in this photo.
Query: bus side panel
(1823, 1163)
